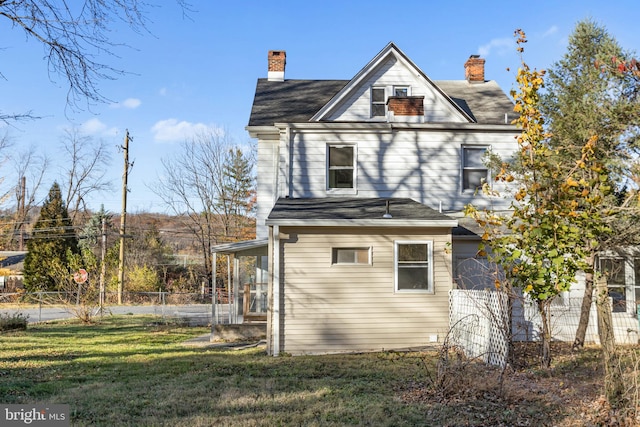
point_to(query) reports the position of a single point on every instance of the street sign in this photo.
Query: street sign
(80, 276)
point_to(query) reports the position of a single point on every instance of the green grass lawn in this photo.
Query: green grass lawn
(127, 370)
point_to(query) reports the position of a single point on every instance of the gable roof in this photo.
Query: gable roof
(354, 211)
(298, 101)
(389, 51)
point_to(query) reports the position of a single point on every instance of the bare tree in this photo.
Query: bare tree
(197, 184)
(30, 168)
(87, 162)
(75, 35)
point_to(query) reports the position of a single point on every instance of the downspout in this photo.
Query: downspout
(289, 162)
(275, 329)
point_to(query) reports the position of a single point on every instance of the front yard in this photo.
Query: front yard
(132, 370)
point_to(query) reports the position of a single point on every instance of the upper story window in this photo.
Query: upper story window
(401, 91)
(341, 167)
(413, 266)
(378, 102)
(474, 171)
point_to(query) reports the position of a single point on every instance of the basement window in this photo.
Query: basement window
(351, 256)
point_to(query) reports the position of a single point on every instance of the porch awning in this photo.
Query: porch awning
(237, 247)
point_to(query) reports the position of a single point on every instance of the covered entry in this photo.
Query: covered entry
(245, 296)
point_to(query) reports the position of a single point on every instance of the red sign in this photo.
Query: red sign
(80, 276)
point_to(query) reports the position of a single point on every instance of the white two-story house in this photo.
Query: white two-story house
(361, 184)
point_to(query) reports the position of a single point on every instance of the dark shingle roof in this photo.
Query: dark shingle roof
(352, 208)
(290, 101)
(296, 101)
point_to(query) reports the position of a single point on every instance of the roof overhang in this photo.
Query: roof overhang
(237, 247)
(363, 223)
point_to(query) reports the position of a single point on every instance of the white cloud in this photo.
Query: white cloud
(93, 127)
(171, 130)
(550, 31)
(129, 104)
(500, 46)
(163, 91)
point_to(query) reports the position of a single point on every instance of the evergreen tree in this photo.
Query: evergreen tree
(591, 103)
(52, 243)
(235, 202)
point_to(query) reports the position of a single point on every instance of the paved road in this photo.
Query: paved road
(55, 313)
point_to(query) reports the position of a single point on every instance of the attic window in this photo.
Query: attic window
(400, 91)
(378, 102)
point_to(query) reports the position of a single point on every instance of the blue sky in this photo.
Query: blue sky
(199, 72)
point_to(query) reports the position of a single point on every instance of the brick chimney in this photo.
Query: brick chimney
(474, 69)
(406, 105)
(277, 62)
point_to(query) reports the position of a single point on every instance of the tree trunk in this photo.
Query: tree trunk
(545, 315)
(613, 380)
(585, 309)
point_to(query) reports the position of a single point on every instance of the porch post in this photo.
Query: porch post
(236, 288)
(213, 297)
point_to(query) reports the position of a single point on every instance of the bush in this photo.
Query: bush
(13, 321)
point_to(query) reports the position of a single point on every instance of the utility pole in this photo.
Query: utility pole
(123, 217)
(21, 215)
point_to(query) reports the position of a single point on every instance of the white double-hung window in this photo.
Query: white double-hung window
(474, 171)
(413, 264)
(341, 168)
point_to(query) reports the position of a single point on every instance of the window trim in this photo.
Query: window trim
(430, 281)
(353, 189)
(463, 168)
(334, 255)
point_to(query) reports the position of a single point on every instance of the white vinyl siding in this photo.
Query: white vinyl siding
(343, 308)
(389, 75)
(421, 165)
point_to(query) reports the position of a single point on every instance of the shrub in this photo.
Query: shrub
(13, 321)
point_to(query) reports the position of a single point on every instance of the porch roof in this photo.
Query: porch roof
(354, 211)
(235, 247)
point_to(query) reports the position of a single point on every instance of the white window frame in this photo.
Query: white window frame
(617, 285)
(383, 102)
(428, 263)
(464, 168)
(407, 88)
(334, 255)
(347, 190)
